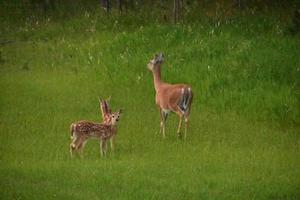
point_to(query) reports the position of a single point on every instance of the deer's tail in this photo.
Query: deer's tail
(72, 129)
(189, 99)
(186, 100)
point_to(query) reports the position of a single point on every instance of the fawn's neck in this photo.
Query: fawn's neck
(111, 126)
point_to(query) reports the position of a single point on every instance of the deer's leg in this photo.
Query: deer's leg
(164, 116)
(74, 145)
(72, 148)
(187, 114)
(165, 119)
(112, 143)
(186, 119)
(103, 147)
(161, 121)
(179, 124)
(180, 114)
(80, 146)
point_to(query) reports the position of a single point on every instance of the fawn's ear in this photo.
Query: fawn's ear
(100, 103)
(121, 110)
(107, 108)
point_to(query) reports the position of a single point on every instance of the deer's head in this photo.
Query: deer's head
(115, 117)
(155, 62)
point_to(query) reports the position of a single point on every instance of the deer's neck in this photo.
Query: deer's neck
(157, 79)
(113, 128)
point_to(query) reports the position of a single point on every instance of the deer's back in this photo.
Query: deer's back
(169, 95)
(91, 129)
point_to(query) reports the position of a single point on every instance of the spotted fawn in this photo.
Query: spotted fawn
(106, 112)
(84, 130)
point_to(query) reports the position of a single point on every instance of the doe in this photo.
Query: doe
(170, 97)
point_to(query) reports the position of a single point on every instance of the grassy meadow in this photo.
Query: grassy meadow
(244, 136)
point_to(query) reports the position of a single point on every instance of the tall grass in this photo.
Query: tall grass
(243, 142)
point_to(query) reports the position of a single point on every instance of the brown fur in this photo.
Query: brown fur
(106, 112)
(170, 97)
(83, 130)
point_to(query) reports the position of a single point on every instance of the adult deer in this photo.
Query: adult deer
(170, 97)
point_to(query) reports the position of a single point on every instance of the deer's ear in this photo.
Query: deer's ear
(121, 110)
(161, 57)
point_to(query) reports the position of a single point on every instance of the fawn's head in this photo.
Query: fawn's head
(115, 117)
(155, 62)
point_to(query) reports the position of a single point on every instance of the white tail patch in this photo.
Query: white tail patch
(184, 101)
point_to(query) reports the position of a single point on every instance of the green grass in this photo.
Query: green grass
(243, 142)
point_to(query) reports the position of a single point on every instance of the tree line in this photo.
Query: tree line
(175, 8)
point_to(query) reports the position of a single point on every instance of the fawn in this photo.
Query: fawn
(106, 112)
(83, 130)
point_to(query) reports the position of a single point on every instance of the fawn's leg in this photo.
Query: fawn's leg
(71, 149)
(73, 145)
(112, 143)
(103, 147)
(79, 144)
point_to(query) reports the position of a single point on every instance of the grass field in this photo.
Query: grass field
(244, 137)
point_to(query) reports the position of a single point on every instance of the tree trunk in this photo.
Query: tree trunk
(176, 11)
(105, 4)
(120, 5)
